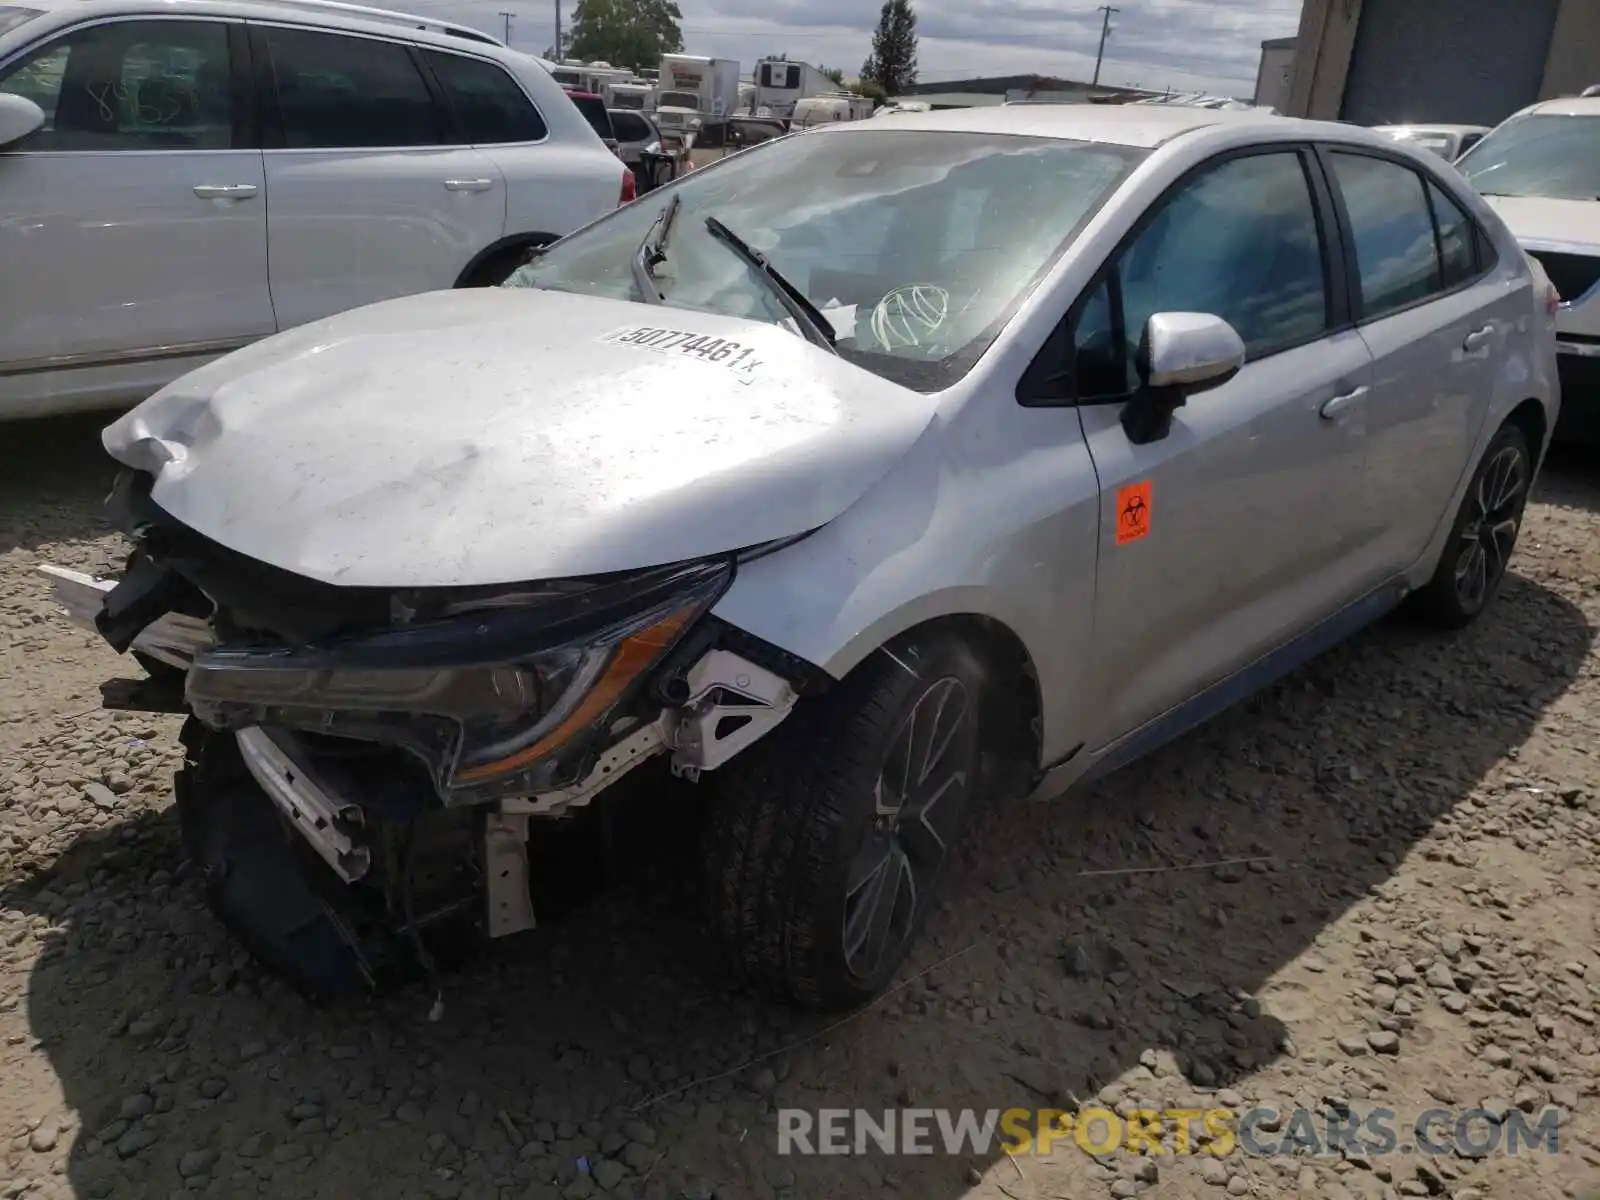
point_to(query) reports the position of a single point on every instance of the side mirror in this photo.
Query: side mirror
(1180, 354)
(19, 118)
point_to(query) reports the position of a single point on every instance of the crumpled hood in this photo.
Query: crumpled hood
(507, 435)
(1539, 219)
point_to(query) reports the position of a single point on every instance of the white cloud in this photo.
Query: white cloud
(1213, 45)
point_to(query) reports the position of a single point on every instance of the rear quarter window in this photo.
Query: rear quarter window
(489, 106)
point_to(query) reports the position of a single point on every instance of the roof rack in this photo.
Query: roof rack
(415, 21)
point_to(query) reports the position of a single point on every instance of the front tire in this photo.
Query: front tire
(1483, 536)
(826, 844)
(259, 883)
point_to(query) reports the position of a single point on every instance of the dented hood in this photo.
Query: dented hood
(507, 435)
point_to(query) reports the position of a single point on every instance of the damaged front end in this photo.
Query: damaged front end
(408, 738)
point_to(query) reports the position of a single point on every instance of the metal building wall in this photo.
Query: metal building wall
(1431, 60)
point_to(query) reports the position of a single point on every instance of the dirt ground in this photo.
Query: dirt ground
(1414, 930)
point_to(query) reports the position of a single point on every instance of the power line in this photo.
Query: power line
(506, 16)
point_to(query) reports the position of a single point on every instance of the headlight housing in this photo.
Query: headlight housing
(496, 700)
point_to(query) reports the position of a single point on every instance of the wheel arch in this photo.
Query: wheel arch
(511, 244)
(1002, 651)
(1530, 417)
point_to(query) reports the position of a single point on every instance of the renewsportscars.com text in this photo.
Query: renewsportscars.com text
(1262, 1132)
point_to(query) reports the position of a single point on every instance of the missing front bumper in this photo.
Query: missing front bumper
(172, 638)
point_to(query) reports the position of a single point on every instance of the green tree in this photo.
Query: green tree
(834, 73)
(892, 65)
(871, 90)
(625, 33)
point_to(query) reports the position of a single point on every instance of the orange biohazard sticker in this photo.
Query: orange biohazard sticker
(1133, 512)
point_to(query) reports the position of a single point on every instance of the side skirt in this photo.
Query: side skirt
(1079, 771)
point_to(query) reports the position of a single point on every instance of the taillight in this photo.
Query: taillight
(630, 190)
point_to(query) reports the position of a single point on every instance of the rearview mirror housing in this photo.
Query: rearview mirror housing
(1180, 354)
(20, 118)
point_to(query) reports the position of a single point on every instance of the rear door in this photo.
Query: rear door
(133, 232)
(553, 184)
(1235, 532)
(1437, 323)
(368, 197)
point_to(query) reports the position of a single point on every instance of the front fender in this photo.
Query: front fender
(991, 526)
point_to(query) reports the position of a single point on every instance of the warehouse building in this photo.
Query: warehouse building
(1465, 61)
(1275, 74)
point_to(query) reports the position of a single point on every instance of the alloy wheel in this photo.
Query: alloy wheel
(918, 797)
(1490, 531)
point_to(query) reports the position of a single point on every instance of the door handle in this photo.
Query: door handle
(1478, 338)
(224, 191)
(469, 185)
(1331, 408)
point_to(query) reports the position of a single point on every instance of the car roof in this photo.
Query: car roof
(1434, 127)
(1141, 125)
(1567, 106)
(332, 14)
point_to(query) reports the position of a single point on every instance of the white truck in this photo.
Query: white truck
(637, 95)
(696, 88)
(829, 107)
(780, 83)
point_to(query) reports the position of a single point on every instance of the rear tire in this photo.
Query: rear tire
(826, 843)
(1482, 537)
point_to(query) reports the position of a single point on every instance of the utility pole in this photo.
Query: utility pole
(507, 18)
(558, 31)
(1105, 30)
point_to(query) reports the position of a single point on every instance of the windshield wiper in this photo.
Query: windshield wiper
(816, 328)
(652, 251)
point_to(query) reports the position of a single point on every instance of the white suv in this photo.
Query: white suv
(181, 177)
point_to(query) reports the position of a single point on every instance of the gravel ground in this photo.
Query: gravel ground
(1417, 930)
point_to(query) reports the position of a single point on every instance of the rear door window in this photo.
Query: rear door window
(340, 92)
(490, 107)
(631, 127)
(1391, 221)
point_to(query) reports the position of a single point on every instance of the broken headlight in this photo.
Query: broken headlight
(496, 700)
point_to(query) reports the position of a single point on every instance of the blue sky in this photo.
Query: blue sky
(1185, 44)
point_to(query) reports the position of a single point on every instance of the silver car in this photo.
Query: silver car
(862, 477)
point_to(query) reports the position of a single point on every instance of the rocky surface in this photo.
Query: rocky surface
(1404, 920)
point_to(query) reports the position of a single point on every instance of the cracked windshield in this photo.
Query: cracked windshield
(914, 246)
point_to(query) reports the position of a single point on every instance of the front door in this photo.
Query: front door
(1235, 531)
(134, 231)
(368, 198)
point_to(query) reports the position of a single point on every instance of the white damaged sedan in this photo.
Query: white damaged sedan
(863, 476)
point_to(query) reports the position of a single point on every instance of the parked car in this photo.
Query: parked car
(842, 476)
(636, 133)
(1540, 171)
(277, 161)
(1449, 142)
